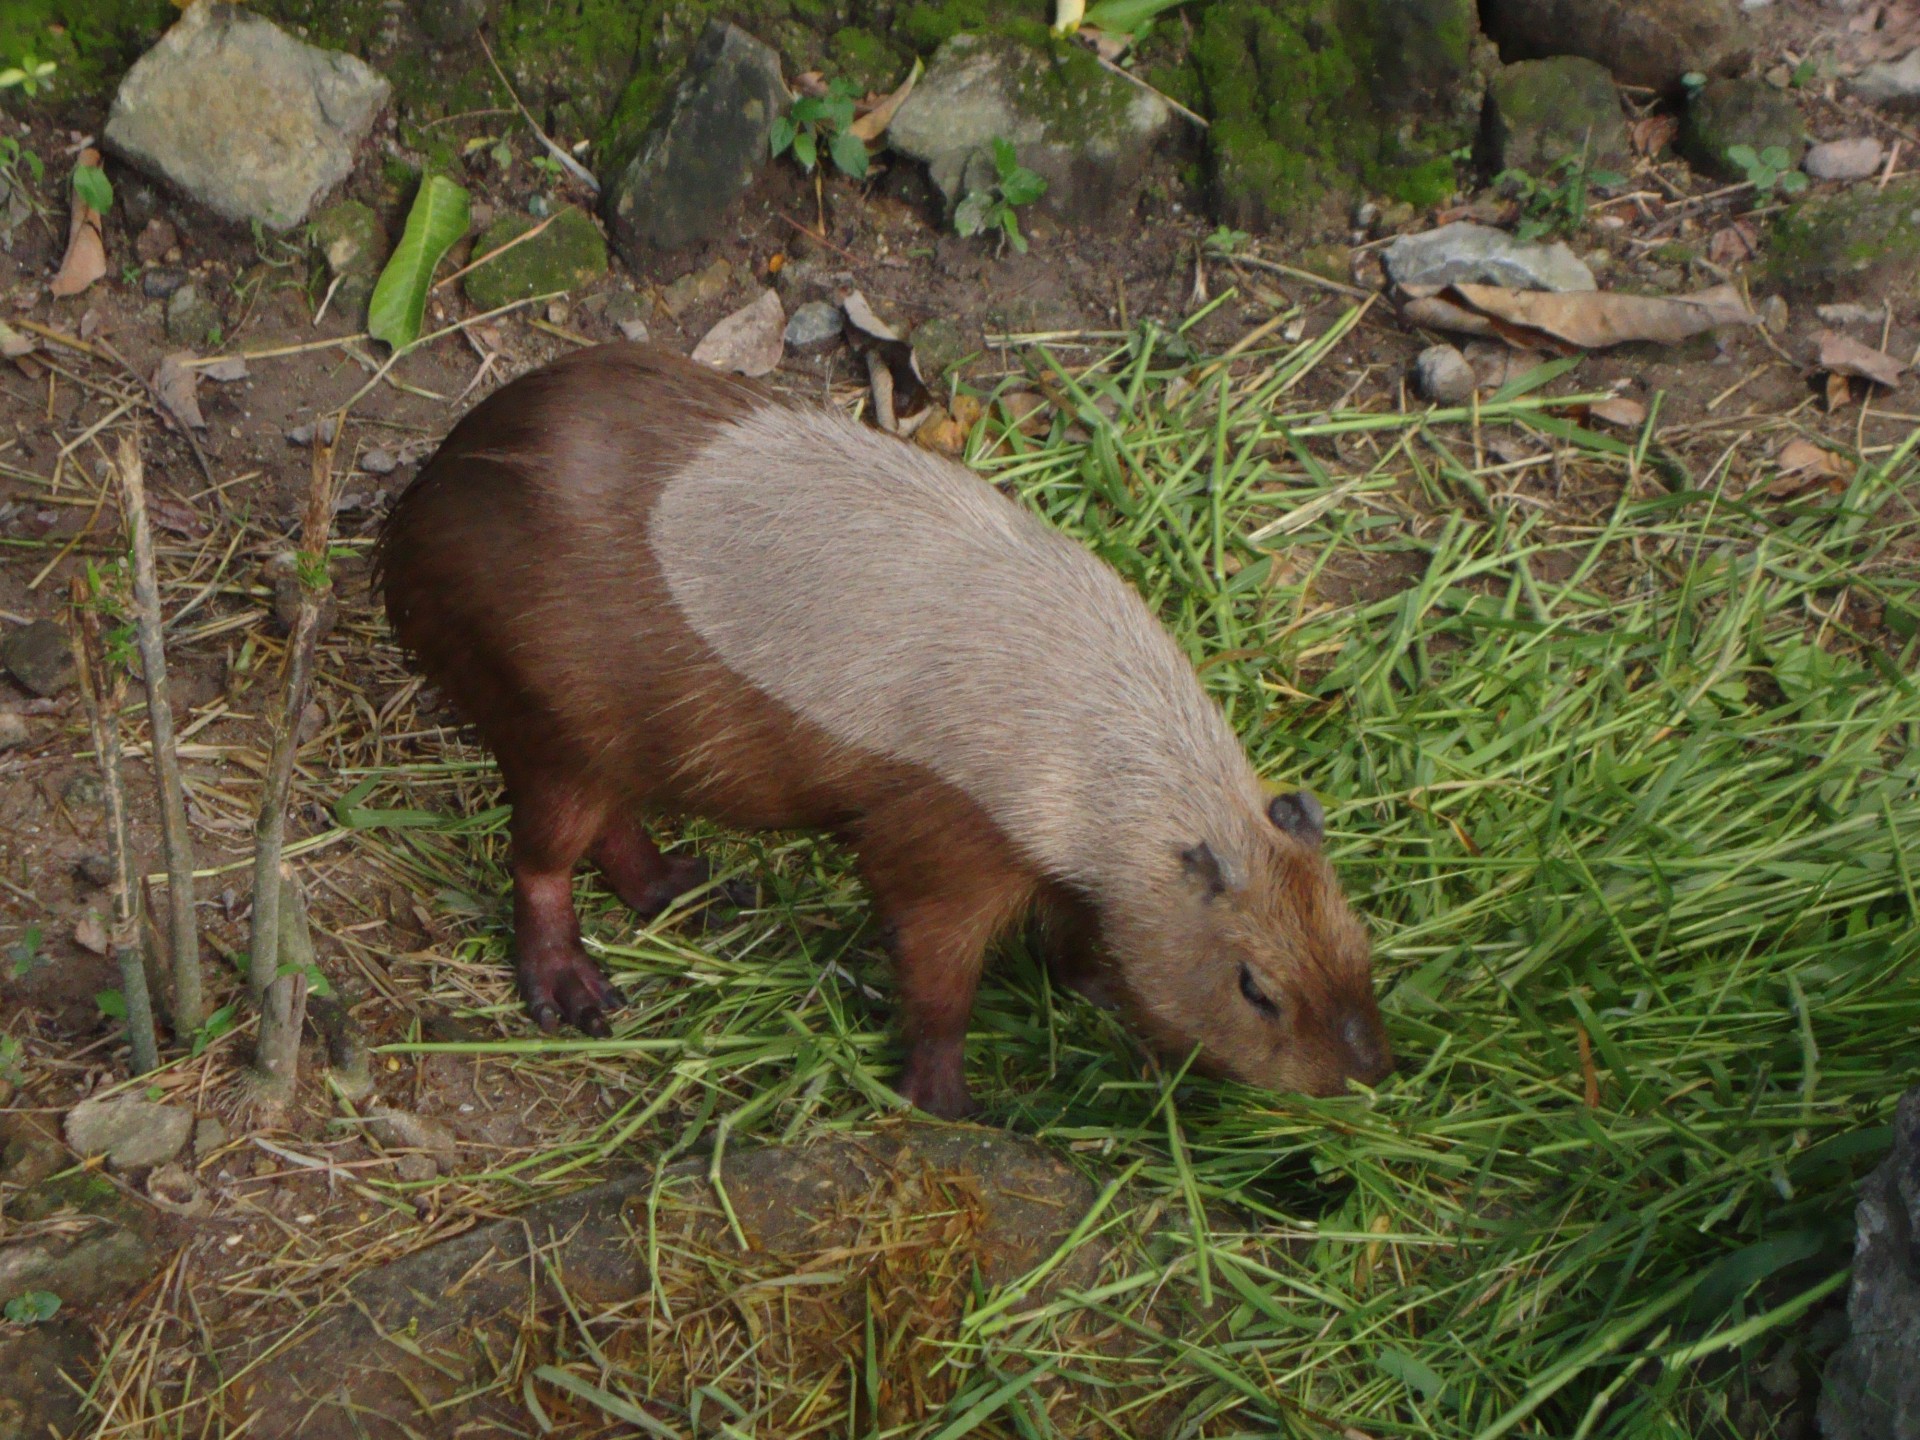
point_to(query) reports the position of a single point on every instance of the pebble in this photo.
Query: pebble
(1848, 313)
(1442, 375)
(634, 331)
(814, 324)
(96, 869)
(159, 284)
(1890, 81)
(131, 1132)
(1773, 314)
(1853, 159)
(403, 1130)
(1465, 251)
(379, 462)
(209, 1134)
(82, 790)
(303, 434)
(698, 287)
(13, 730)
(39, 656)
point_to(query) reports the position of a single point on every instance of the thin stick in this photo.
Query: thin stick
(103, 701)
(272, 992)
(284, 1007)
(183, 933)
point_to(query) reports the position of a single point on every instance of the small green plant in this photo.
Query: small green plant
(1554, 203)
(1768, 170)
(12, 1057)
(829, 118)
(547, 166)
(90, 183)
(24, 955)
(216, 1025)
(112, 1004)
(1226, 241)
(31, 75)
(32, 1307)
(997, 205)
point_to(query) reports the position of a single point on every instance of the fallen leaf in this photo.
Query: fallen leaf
(225, 370)
(86, 257)
(1839, 390)
(174, 382)
(942, 433)
(1843, 355)
(860, 315)
(1732, 244)
(1582, 320)
(1496, 366)
(1621, 412)
(12, 343)
(810, 83)
(872, 125)
(905, 393)
(1653, 133)
(748, 341)
(1799, 456)
(91, 933)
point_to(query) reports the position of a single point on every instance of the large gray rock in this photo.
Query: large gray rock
(703, 150)
(1088, 133)
(1726, 113)
(242, 117)
(131, 1132)
(1871, 1390)
(1890, 82)
(1482, 255)
(1539, 112)
(93, 1262)
(1644, 42)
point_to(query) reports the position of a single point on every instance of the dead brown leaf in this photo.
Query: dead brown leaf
(1653, 133)
(90, 933)
(176, 517)
(1843, 355)
(748, 341)
(225, 370)
(1732, 244)
(174, 382)
(1805, 467)
(810, 83)
(12, 343)
(86, 257)
(899, 391)
(872, 125)
(1596, 319)
(1839, 390)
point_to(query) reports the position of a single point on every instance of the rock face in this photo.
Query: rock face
(1871, 1389)
(1541, 111)
(1858, 242)
(703, 151)
(1482, 255)
(39, 656)
(1086, 131)
(567, 254)
(95, 1263)
(242, 117)
(1316, 104)
(1725, 113)
(131, 1132)
(1644, 42)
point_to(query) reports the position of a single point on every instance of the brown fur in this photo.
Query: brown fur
(517, 568)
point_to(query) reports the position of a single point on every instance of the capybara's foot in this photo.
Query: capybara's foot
(564, 985)
(935, 1081)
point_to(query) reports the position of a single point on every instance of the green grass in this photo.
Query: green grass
(1629, 799)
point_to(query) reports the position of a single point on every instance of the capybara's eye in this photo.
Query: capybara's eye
(1257, 997)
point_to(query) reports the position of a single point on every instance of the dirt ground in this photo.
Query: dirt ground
(223, 512)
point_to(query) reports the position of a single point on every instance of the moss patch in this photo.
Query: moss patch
(91, 41)
(1312, 100)
(569, 253)
(1854, 242)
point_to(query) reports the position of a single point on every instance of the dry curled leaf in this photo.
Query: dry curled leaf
(1804, 467)
(1653, 133)
(1843, 355)
(748, 341)
(86, 257)
(1577, 320)
(1732, 244)
(91, 934)
(174, 383)
(872, 125)
(892, 371)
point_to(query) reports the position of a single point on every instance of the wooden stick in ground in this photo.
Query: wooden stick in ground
(265, 963)
(189, 1010)
(103, 699)
(277, 1060)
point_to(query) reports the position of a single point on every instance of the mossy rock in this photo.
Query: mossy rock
(1313, 101)
(568, 254)
(90, 42)
(1725, 113)
(1858, 241)
(1539, 112)
(352, 245)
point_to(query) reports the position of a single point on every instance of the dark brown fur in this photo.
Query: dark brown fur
(517, 568)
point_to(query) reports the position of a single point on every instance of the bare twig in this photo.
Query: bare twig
(272, 992)
(284, 1006)
(183, 934)
(572, 166)
(103, 697)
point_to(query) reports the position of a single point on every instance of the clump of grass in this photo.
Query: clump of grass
(1626, 781)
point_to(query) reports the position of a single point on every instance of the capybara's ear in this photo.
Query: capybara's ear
(1300, 815)
(1205, 870)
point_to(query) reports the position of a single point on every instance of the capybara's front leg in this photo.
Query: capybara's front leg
(558, 981)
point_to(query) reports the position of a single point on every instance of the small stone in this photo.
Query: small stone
(131, 1132)
(697, 287)
(303, 434)
(566, 255)
(626, 312)
(160, 283)
(938, 344)
(451, 22)
(702, 151)
(1442, 375)
(96, 869)
(95, 1263)
(209, 1134)
(414, 1166)
(403, 1130)
(155, 240)
(814, 325)
(1890, 82)
(1847, 313)
(83, 791)
(1726, 113)
(39, 656)
(353, 245)
(242, 117)
(379, 462)
(13, 730)
(1851, 243)
(191, 320)
(634, 332)
(1465, 251)
(1853, 159)
(1773, 314)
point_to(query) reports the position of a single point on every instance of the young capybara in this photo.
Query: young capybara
(657, 590)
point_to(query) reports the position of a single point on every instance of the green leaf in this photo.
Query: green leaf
(439, 217)
(90, 183)
(973, 214)
(1775, 157)
(806, 149)
(1126, 17)
(1010, 223)
(32, 1306)
(1022, 187)
(112, 1004)
(807, 111)
(1743, 156)
(1412, 1373)
(837, 111)
(782, 136)
(1793, 182)
(1004, 159)
(850, 154)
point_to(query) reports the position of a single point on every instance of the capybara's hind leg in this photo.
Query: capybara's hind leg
(558, 980)
(641, 876)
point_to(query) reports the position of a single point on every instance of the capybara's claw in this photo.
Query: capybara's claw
(569, 987)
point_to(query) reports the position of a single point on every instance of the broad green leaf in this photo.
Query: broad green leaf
(90, 183)
(1004, 159)
(439, 217)
(30, 1307)
(971, 215)
(850, 154)
(112, 1004)
(806, 150)
(1126, 17)
(782, 136)
(1010, 223)
(1022, 187)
